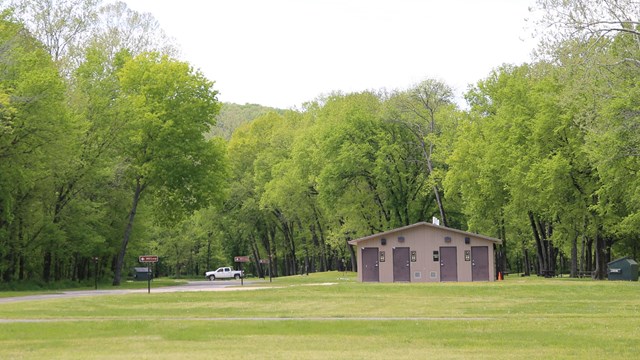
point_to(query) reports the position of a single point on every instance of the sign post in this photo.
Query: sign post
(267, 262)
(148, 259)
(95, 274)
(239, 260)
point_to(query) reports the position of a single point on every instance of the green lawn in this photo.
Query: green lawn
(331, 316)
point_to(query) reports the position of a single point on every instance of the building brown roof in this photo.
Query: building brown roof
(465, 233)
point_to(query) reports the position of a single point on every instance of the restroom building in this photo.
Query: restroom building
(425, 252)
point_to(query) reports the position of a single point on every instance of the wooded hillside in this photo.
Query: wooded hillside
(232, 116)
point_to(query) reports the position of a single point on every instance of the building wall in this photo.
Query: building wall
(424, 241)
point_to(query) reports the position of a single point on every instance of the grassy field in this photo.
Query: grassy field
(331, 316)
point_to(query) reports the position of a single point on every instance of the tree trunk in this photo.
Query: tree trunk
(436, 189)
(209, 235)
(61, 201)
(503, 236)
(601, 261)
(57, 269)
(427, 151)
(318, 249)
(583, 253)
(286, 227)
(256, 256)
(354, 264)
(551, 256)
(292, 248)
(574, 257)
(545, 243)
(306, 256)
(527, 265)
(127, 232)
(443, 215)
(539, 245)
(273, 253)
(323, 244)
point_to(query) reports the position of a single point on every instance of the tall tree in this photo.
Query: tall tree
(600, 42)
(593, 22)
(368, 177)
(423, 110)
(170, 107)
(33, 125)
(119, 27)
(62, 25)
(257, 150)
(520, 161)
(68, 27)
(85, 40)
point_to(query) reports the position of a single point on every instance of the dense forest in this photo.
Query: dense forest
(112, 147)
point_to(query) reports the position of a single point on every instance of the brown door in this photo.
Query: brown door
(479, 263)
(448, 264)
(370, 268)
(401, 264)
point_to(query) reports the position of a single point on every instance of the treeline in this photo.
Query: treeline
(101, 128)
(100, 134)
(546, 158)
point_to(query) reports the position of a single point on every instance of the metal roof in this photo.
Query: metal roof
(624, 259)
(465, 233)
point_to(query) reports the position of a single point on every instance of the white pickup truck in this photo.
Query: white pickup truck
(224, 273)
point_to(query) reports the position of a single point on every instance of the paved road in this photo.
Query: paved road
(222, 285)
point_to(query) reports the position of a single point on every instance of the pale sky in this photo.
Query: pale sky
(283, 53)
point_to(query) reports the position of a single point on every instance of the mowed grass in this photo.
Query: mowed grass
(331, 316)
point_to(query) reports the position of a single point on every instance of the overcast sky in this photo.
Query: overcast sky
(283, 53)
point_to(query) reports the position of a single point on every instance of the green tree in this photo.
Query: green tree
(588, 22)
(61, 25)
(68, 27)
(425, 110)
(170, 107)
(88, 43)
(34, 126)
(256, 150)
(598, 43)
(369, 178)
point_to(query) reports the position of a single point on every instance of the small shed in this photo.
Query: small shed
(425, 252)
(142, 274)
(623, 269)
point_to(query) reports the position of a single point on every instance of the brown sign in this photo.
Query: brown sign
(148, 258)
(241, 259)
(264, 261)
